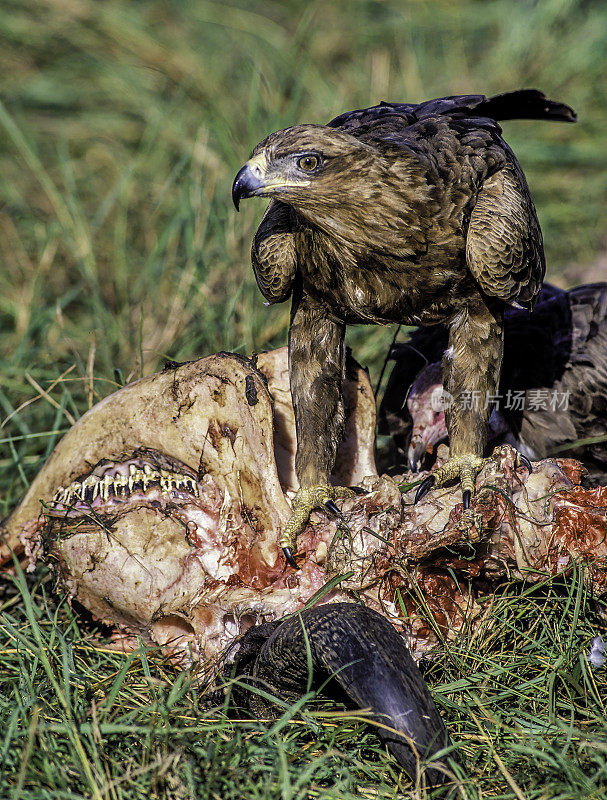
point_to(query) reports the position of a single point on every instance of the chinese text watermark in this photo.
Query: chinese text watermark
(511, 400)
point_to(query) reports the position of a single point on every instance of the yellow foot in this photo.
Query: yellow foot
(463, 468)
(304, 503)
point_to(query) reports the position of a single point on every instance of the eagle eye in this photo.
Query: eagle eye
(308, 163)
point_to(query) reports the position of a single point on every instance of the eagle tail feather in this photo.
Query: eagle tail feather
(524, 104)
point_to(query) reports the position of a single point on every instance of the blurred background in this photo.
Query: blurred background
(123, 124)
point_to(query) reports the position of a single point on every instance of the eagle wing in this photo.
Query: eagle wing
(504, 243)
(273, 253)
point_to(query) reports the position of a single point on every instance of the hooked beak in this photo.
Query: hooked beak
(249, 181)
(415, 454)
(423, 440)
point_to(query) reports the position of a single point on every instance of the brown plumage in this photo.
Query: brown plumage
(553, 387)
(416, 214)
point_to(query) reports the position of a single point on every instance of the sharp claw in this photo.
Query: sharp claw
(525, 462)
(424, 488)
(466, 496)
(357, 490)
(332, 508)
(290, 557)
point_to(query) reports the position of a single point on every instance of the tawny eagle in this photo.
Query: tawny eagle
(405, 213)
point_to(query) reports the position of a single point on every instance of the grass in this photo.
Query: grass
(522, 703)
(123, 124)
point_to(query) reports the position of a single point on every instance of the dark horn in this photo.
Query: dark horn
(369, 661)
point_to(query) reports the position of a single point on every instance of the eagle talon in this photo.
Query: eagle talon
(290, 558)
(424, 488)
(525, 462)
(462, 468)
(332, 508)
(305, 501)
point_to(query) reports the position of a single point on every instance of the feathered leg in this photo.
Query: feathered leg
(316, 371)
(471, 372)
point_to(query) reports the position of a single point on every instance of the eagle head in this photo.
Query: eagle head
(310, 167)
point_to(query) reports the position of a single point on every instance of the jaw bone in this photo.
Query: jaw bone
(194, 413)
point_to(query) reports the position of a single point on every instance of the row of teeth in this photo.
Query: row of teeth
(138, 480)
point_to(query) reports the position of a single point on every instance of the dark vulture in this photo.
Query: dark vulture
(553, 387)
(415, 214)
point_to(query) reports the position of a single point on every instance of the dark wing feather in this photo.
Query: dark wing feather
(357, 122)
(520, 104)
(274, 254)
(504, 242)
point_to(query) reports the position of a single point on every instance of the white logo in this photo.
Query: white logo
(441, 399)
